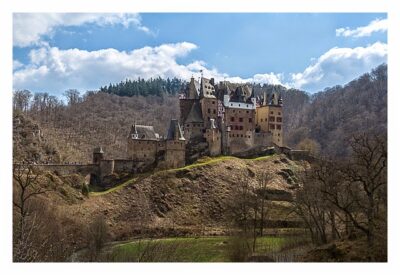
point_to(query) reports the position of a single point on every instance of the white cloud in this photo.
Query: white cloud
(17, 64)
(339, 66)
(54, 70)
(377, 25)
(30, 28)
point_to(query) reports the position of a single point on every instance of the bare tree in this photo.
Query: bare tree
(363, 190)
(21, 100)
(26, 188)
(311, 204)
(247, 211)
(73, 96)
(97, 234)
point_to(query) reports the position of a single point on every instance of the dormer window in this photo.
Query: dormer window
(134, 136)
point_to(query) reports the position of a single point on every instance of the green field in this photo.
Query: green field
(205, 249)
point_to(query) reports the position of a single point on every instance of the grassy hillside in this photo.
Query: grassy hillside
(206, 249)
(190, 201)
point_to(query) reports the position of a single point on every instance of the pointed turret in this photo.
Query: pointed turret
(195, 115)
(175, 131)
(193, 89)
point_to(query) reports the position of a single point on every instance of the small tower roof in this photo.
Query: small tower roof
(193, 89)
(175, 131)
(195, 114)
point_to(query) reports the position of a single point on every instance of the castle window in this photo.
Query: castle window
(241, 135)
(214, 111)
(272, 118)
(272, 126)
(250, 120)
(240, 127)
(232, 119)
(209, 110)
(237, 135)
(279, 134)
(236, 127)
(240, 119)
(272, 112)
(279, 113)
(261, 120)
(278, 126)
(213, 102)
(247, 111)
(278, 119)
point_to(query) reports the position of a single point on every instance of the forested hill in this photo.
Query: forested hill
(152, 86)
(333, 116)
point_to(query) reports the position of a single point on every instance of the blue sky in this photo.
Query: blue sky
(55, 52)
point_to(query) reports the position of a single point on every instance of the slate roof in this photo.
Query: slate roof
(193, 89)
(144, 132)
(242, 94)
(175, 131)
(194, 114)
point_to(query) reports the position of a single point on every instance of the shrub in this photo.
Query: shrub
(85, 189)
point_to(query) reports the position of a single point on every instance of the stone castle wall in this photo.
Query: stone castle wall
(213, 138)
(174, 155)
(262, 139)
(130, 166)
(143, 150)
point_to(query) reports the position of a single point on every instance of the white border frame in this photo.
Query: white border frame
(6, 10)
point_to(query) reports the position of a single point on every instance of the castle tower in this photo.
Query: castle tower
(269, 118)
(98, 155)
(174, 146)
(194, 124)
(208, 101)
(190, 96)
(213, 138)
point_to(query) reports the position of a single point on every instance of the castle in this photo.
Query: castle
(216, 119)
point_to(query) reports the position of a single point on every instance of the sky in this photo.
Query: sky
(53, 52)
